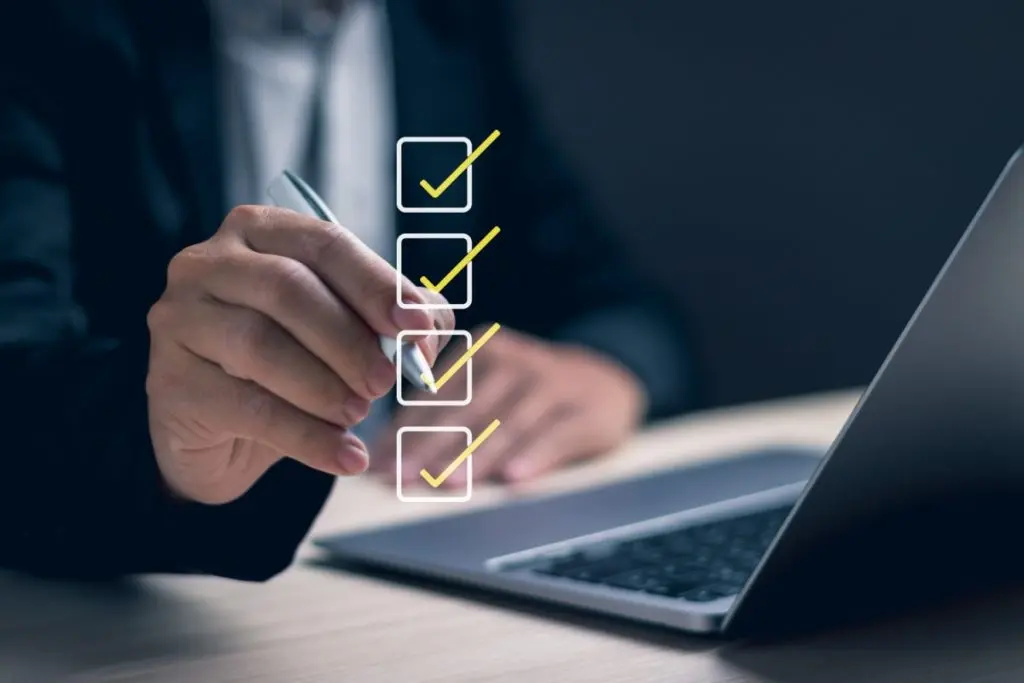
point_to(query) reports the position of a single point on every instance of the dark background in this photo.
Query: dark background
(796, 173)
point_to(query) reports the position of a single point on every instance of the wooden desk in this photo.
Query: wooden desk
(314, 625)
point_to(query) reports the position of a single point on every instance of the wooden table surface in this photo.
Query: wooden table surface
(314, 625)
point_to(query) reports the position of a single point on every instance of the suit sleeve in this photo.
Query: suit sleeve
(594, 293)
(80, 493)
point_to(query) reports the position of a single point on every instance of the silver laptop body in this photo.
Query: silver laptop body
(936, 438)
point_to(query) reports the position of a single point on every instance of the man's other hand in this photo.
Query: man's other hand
(557, 404)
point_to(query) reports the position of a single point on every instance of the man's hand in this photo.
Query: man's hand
(556, 403)
(264, 346)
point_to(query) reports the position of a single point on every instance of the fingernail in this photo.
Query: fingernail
(381, 377)
(429, 347)
(410, 318)
(355, 410)
(352, 456)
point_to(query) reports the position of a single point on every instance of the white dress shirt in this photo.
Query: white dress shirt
(271, 66)
(270, 75)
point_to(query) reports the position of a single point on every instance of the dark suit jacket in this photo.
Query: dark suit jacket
(110, 164)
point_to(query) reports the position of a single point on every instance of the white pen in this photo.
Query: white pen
(291, 192)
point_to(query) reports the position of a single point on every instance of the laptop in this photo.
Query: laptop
(911, 502)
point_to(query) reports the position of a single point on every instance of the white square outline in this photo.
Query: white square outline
(398, 266)
(468, 368)
(468, 463)
(432, 209)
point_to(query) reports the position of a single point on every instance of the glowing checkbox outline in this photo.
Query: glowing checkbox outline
(467, 463)
(468, 336)
(432, 306)
(432, 209)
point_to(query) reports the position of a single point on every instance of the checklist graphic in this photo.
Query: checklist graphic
(447, 191)
(436, 153)
(465, 265)
(439, 400)
(409, 240)
(467, 357)
(461, 369)
(464, 459)
(418, 495)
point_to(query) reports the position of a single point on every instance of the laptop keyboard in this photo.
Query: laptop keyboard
(696, 563)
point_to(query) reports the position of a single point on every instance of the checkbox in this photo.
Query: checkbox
(463, 376)
(437, 241)
(420, 158)
(434, 495)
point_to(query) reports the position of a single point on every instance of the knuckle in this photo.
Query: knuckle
(285, 283)
(245, 215)
(445, 319)
(320, 239)
(358, 413)
(186, 264)
(160, 316)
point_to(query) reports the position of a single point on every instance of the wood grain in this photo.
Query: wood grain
(314, 625)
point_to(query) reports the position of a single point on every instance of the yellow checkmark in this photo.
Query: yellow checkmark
(440, 479)
(461, 265)
(439, 190)
(484, 338)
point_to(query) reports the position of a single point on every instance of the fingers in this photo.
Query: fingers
(437, 415)
(290, 294)
(557, 440)
(350, 269)
(525, 423)
(496, 392)
(443, 320)
(512, 392)
(239, 408)
(319, 283)
(251, 346)
(420, 449)
(266, 344)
